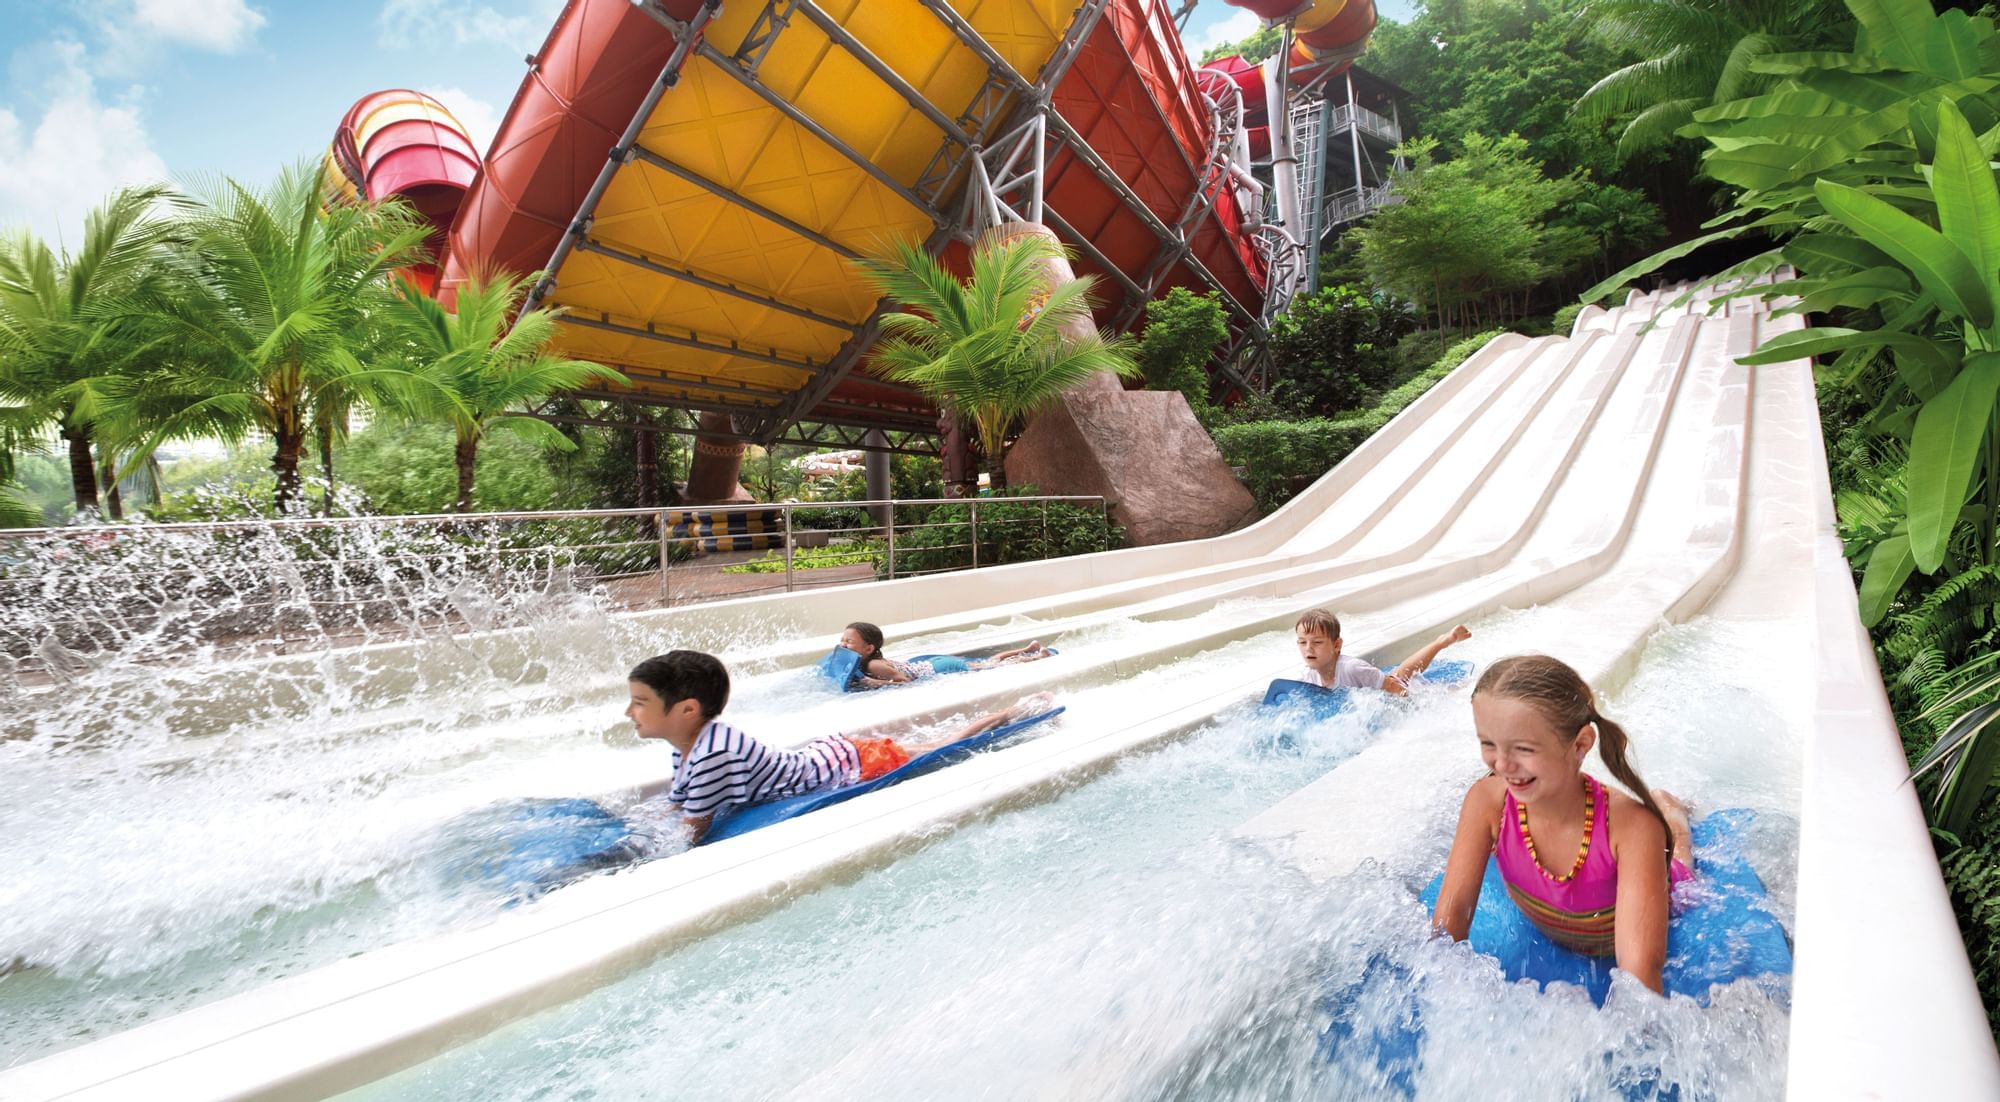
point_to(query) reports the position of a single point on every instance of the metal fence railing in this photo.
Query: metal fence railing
(69, 596)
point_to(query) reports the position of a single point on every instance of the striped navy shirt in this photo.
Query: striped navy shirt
(727, 768)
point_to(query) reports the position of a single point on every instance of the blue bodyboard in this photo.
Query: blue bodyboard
(750, 818)
(1321, 703)
(842, 667)
(1325, 702)
(526, 846)
(1725, 932)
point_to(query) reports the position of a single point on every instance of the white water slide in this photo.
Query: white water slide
(1620, 498)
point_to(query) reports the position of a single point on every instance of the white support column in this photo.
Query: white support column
(1354, 134)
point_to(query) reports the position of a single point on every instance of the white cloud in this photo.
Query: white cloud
(421, 24)
(223, 26)
(53, 171)
(1235, 27)
(479, 117)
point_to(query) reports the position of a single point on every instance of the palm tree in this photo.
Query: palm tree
(982, 348)
(67, 322)
(1694, 53)
(18, 424)
(483, 371)
(278, 303)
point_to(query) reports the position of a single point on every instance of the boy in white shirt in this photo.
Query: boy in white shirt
(1318, 632)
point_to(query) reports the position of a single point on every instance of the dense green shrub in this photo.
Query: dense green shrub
(1335, 350)
(1023, 532)
(1280, 458)
(813, 558)
(1182, 332)
(1565, 319)
(1972, 874)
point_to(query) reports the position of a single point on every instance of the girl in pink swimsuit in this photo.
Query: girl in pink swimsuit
(1589, 866)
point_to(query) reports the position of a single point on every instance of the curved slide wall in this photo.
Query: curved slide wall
(714, 267)
(1627, 476)
(405, 144)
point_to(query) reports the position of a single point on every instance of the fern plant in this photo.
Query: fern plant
(1947, 680)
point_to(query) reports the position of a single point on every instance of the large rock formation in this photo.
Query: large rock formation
(1142, 451)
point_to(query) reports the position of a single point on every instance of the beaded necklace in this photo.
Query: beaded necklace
(1582, 851)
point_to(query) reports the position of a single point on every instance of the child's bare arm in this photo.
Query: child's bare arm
(1458, 896)
(1421, 661)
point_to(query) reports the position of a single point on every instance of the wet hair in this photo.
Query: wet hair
(682, 674)
(1320, 620)
(871, 635)
(1564, 699)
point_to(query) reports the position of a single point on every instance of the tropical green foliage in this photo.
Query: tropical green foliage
(871, 552)
(1972, 873)
(1871, 168)
(1870, 171)
(274, 315)
(992, 348)
(1336, 349)
(1470, 231)
(69, 323)
(1693, 54)
(486, 365)
(1262, 43)
(1182, 332)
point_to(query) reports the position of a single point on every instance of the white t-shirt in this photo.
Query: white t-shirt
(726, 768)
(1349, 672)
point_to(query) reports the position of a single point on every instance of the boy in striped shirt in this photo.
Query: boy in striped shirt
(676, 697)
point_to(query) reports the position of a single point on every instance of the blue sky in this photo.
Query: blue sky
(99, 93)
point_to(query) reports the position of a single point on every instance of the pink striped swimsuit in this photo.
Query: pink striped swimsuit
(1575, 911)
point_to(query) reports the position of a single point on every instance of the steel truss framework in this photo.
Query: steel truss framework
(997, 178)
(818, 435)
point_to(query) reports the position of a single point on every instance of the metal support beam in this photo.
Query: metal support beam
(1036, 98)
(843, 361)
(764, 30)
(1083, 244)
(997, 173)
(716, 396)
(750, 205)
(670, 75)
(840, 36)
(805, 122)
(592, 245)
(651, 333)
(856, 437)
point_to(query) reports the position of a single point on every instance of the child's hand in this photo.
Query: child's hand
(1459, 634)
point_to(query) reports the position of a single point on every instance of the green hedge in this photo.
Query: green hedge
(1280, 458)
